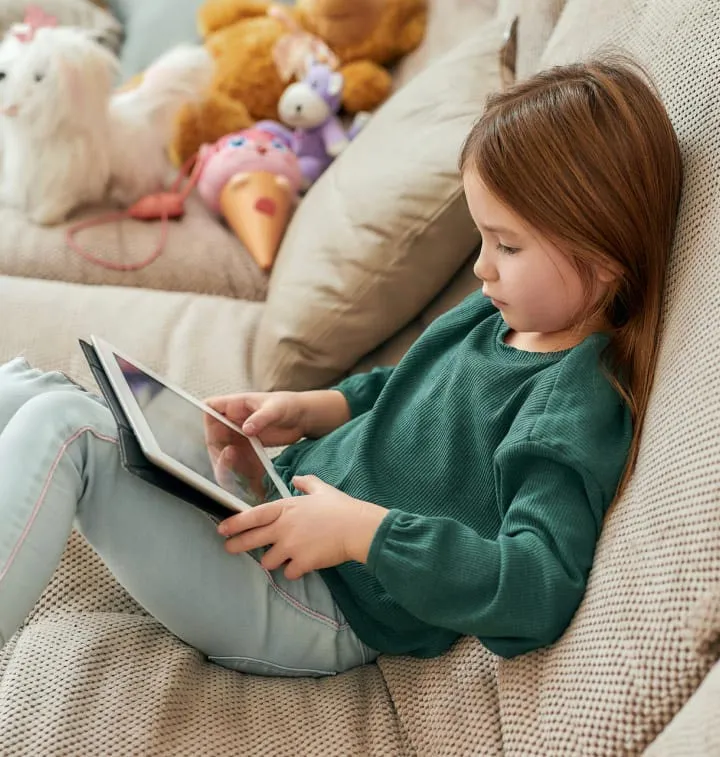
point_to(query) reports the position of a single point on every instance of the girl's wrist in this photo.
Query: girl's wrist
(365, 527)
(323, 412)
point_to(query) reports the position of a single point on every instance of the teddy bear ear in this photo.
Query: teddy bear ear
(335, 85)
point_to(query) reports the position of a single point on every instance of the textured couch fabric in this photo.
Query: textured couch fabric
(201, 254)
(92, 674)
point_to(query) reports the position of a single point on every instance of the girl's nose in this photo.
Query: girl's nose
(484, 268)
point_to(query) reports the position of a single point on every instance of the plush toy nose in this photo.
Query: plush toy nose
(11, 110)
(262, 149)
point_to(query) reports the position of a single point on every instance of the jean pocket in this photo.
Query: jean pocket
(267, 668)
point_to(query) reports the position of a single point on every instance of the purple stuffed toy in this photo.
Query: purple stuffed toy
(310, 106)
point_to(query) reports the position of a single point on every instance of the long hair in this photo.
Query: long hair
(586, 154)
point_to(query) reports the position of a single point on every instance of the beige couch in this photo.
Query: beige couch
(379, 248)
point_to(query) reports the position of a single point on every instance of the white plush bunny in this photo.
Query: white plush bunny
(68, 140)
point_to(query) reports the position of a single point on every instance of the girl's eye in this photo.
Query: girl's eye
(507, 250)
(39, 77)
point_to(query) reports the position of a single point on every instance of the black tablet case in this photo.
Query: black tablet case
(133, 458)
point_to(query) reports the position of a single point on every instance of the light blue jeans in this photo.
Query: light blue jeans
(60, 466)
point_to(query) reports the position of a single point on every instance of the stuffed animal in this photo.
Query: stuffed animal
(67, 139)
(310, 107)
(242, 36)
(252, 178)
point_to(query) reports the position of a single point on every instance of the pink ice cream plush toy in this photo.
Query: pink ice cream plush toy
(243, 152)
(252, 178)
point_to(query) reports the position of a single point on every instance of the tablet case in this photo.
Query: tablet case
(133, 458)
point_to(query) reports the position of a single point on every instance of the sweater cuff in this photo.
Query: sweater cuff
(355, 402)
(378, 542)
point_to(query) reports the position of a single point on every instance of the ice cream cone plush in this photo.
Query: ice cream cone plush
(257, 207)
(252, 178)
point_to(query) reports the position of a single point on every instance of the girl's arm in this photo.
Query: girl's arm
(362, 390)
(515, 593)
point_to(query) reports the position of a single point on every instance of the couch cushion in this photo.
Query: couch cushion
(204, 343)
(91, 673)
(383, 230)
(390, 352)
(648, 629)
(68, 13)
(201, 255)
(449, 22)
(537, 19)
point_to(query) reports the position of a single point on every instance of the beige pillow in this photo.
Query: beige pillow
(449, 22)
(68, 13)
(384, 229)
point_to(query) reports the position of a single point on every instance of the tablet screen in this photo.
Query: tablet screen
(195, 438)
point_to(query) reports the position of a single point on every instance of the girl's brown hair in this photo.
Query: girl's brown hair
(586, 154)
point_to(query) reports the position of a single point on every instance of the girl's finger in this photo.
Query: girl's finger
(260, 419)
(274, 557)
(295, 570)
(262, 515)
(258, 537)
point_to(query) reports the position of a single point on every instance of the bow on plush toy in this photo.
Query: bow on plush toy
(35, 18)
(310, 107)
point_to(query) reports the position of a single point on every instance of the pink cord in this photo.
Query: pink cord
(161, 206)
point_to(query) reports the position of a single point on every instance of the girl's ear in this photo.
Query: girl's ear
(608, 274)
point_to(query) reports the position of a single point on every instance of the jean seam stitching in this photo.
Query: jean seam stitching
(38, 504)
(269, 663)
(309, 611)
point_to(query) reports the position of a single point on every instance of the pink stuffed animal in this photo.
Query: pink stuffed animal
(252, 178)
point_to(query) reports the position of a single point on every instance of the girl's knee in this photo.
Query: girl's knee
(67, 412)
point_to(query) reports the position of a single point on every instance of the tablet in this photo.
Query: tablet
(188, 439)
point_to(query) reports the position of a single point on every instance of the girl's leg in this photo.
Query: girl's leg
(59, 461)
(19, 382)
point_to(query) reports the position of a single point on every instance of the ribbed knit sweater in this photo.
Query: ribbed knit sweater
(497, 466)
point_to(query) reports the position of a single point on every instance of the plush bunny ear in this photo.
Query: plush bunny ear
(335, 84)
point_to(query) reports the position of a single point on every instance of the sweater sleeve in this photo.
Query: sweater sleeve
(515, 593)
(362, 389)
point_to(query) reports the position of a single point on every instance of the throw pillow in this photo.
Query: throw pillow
(383, 230)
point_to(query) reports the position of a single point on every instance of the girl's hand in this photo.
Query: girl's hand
(276, 418)
(323, 529)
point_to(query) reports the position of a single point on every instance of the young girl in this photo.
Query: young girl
(461, 492)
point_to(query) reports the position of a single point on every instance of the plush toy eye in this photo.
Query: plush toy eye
(39, 77)
(278, 145)
(238, 142)
(2, 75)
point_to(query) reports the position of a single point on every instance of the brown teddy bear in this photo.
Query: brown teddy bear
(364, 36)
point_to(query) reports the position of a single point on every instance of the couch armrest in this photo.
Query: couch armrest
(695, 729)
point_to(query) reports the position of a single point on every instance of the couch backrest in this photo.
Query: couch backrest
(648, 629)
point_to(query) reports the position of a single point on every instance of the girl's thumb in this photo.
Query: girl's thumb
(307, 484)
(256, 422)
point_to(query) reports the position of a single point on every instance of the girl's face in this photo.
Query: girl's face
(530, 280)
